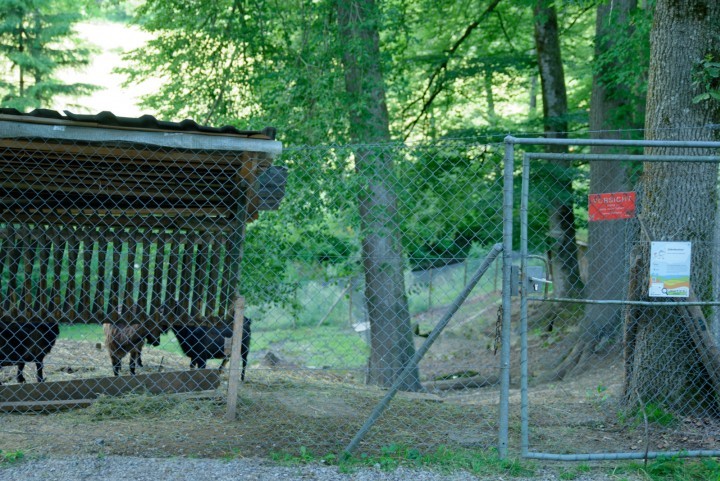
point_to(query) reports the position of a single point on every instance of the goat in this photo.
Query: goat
(24, 342)
(122, 339)
(201, 343)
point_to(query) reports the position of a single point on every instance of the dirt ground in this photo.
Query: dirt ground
(284, 407)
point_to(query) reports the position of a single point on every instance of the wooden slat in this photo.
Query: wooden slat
(114, 303)
(27, 168)
(226, 298)
(5, 252)
(38, 396)
(215, 269)
(200, 287)
(28, 258)
(174, 267)
(86, 296)
(143, 294)
(100, 186)
(190, 219)
(128, 300)
(102, 247)
(73, 248)
(58, 254)
(9, 304)
(158, 271)
(186, 275)
(42, 298)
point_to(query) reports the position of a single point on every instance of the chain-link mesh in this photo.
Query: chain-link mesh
(622, 353)
(125, 256)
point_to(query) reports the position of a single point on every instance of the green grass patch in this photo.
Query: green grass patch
(655, 415)
(326, 346)
(442, 459)
(10, 457)
(677, 469)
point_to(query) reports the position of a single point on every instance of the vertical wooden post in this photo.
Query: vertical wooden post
(234, 370)
(237, 249)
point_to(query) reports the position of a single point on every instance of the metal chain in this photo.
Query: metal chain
(498, 328)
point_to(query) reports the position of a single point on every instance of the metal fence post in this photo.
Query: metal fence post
(503, 424)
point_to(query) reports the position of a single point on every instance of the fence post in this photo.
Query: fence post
(234, 370)
(503, 422)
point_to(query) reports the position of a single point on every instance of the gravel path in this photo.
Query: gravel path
(116, 468)
(122, 468)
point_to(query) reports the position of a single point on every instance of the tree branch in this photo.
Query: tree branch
(433, 89)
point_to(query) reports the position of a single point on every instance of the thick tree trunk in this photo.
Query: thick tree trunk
(670, 360)
(565, 266)
(391, 338)
(607, 266)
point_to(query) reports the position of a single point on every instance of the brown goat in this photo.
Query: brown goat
(121, 339)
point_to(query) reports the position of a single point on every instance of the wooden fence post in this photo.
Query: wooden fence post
(234, 370)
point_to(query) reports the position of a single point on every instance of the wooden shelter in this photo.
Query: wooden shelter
(104, 218)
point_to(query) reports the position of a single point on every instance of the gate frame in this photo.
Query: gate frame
(510, 143)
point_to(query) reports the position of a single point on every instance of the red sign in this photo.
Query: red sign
(610, 206)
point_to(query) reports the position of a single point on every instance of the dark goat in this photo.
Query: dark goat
(201, 343)
(122, 339)
(23, 342)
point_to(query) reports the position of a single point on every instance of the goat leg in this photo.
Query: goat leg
(20, 377)
(222, 364)
(39, 368)
(116, 364)
(133, 360)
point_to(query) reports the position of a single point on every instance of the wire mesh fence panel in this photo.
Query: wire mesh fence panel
(337, 319)
(122, 257)
(618, 357)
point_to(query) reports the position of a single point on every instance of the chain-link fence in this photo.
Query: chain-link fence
(619, 356)
(378, 315)
(124, 250)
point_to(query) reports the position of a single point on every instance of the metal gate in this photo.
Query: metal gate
(587, 404)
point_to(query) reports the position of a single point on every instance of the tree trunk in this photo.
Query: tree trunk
(391, 339)
(489, 97)
(607, 266)
(669, 359)
(565, 266)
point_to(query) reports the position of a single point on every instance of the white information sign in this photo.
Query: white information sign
(670, 269)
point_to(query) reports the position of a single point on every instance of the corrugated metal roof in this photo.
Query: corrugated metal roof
(145, 122)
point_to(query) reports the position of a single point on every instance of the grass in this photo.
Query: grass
(443, 459)
(10, 457)
(447, 460)
(325, 346)
(677, 469)
(654, 414)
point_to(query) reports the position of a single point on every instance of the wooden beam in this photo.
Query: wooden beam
(57, 394)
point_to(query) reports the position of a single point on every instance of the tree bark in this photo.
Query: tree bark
(607, 266)
(391, 338)
(669, 359)
(565, 266)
